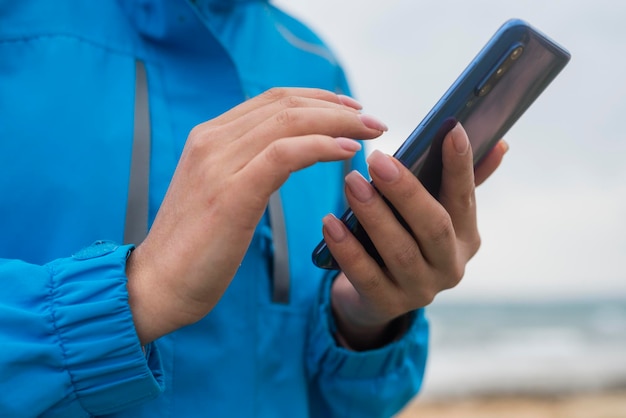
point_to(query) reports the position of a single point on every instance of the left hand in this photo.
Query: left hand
(419, 263)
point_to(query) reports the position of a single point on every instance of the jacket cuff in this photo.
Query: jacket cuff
(108, 367)
(327, 357)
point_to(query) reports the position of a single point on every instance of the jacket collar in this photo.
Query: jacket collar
(218, 5)
(159, 19)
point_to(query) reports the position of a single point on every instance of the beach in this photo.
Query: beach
(556, 359)
(610, 404)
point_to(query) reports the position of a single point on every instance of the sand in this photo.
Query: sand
(589, 405)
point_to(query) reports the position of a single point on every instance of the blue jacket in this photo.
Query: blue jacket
(68, 347)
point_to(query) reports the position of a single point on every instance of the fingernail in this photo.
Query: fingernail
(334, 227)
(382, 166)
(349, 101)
(373, 123)
(348, 144)
(460, 142)
(359, 187)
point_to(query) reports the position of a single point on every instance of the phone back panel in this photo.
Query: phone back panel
(490, 95)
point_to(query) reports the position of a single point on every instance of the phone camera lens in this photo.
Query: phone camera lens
(517, 52)
(484, 90)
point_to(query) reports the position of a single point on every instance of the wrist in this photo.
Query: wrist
(358, 327)
(371, 338)
(149, 304)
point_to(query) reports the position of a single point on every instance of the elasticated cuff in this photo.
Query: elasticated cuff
(328, 358)
(108, 367)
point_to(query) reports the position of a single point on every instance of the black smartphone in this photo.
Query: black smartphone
(490, 95)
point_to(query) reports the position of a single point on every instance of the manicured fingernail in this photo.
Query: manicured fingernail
(373, 123)
(334, 228)
(349, 101)
(382, 166)
(348, 144)
(359, 187)
(505, 146)
(460, 142)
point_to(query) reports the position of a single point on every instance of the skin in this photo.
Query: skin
(227, 172)
(419, 264)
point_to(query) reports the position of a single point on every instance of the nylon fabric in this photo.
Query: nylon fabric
(67, 77)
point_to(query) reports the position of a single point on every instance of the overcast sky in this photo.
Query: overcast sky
(553, 218)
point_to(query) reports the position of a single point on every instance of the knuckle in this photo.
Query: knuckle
(441, 230)
(467, 199)
(370, 283)
(275, 93)
(196, 133)
(464, 199)
(274, 154)
(197, 139)
(203, 135)
(286, 117)
(406, 257)
(456, 275)
(448, 278)
(425, 297)
(326, 95)
(290, 102)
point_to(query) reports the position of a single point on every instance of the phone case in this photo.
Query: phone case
(490, 95)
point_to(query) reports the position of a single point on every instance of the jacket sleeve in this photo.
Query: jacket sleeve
(68, 346)
(375, 383)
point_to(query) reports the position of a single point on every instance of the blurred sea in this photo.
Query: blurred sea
(526, 348)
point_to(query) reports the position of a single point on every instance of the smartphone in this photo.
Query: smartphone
(490, 95)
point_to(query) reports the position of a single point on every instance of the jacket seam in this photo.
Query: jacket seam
(320, 50)
(71, 36)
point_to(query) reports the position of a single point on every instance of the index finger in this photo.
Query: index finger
(279, 93)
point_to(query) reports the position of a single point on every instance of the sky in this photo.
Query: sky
(553, 217)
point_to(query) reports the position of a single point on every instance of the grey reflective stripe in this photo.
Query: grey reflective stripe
(281, 252)
(136, 227)
(347, 168)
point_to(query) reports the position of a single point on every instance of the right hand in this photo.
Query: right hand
(227, 172)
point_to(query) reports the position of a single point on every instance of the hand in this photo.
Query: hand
(419, 263)
(229, 168)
